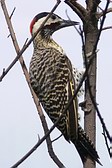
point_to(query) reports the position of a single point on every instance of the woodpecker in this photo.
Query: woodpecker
(54, 80)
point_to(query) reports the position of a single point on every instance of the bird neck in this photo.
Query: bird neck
(40, 42)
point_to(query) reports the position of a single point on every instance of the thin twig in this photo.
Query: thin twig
(100, 14)
(49, 144)
(106, 142)
(107, 28)
(57, 138)
(111, 148)
(79, 9)
(25, 42)
(44, 124)
(70, 20)
(101, 26)
(12, 13)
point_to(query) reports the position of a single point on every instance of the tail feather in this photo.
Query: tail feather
(85, 147)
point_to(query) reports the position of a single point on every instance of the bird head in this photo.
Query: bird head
(53, 24)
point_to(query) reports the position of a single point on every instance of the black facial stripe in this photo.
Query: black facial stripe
(49, 29)
(52, 26)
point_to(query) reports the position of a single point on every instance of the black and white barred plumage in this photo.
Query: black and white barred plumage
(54, 80)
(78, 76)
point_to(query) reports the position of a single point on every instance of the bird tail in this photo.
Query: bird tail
(85, 147)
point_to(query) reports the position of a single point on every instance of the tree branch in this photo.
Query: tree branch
(106, 142)
(105, 130)
(92, 5)
(12, 13)
(111, 148)
(107, 28)
(100, 14)
(79, 9)
(24, 68)
(101, 25)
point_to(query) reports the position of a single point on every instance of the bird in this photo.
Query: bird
(54, 80)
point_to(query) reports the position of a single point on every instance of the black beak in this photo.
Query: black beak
(65, 23)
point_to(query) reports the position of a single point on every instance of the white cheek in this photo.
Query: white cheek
(40, 21)
(38, 24)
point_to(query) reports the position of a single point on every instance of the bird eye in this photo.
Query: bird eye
(53, 17)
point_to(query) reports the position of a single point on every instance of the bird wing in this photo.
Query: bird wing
(72, 112)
